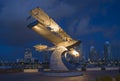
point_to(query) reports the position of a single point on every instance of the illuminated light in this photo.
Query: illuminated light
(40, 47)
(36, 27)
(75, 53)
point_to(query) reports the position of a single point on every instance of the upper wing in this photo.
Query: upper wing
(50, 30)
(44, 19)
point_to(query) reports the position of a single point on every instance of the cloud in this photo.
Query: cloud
(61, 10)
(108, 32)
(83, 26)
(85, 12)
(80, 26)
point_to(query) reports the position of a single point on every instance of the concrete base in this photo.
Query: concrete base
(93, 69)
(111, 68)
(63, 73)
(98, 68)
(30, 70)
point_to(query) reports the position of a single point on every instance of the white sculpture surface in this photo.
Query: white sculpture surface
(56, 63)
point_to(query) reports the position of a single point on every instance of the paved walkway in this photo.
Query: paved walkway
(88, 76)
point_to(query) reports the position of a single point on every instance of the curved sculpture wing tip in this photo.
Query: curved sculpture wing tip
(32, 24)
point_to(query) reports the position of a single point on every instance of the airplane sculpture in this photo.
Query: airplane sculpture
(47, 28)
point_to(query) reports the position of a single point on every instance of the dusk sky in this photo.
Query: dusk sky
(91, 21)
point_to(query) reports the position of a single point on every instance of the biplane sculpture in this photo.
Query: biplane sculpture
(47, 28)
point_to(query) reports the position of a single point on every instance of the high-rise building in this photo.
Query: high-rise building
(107, 52)
(93, 55)
(28, 56)
(28, 53)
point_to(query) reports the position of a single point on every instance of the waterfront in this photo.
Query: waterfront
(87, 76)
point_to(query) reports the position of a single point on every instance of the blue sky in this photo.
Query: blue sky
(92, 21)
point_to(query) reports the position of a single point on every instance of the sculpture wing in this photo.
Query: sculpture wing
(45, 20)
(46, 27)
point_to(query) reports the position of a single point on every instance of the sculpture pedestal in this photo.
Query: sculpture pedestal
(57, 66)
(56, 63)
